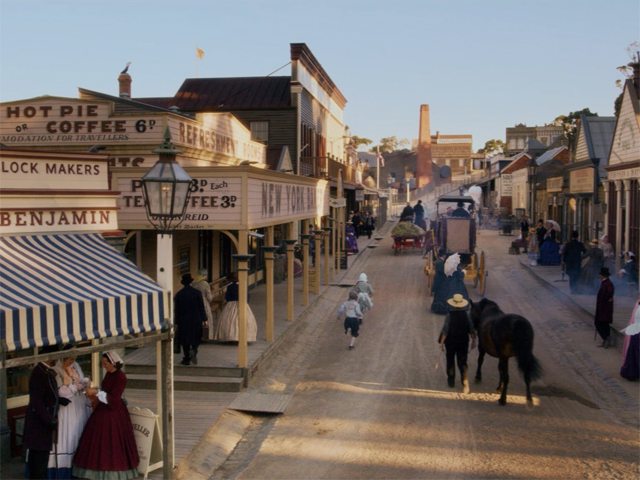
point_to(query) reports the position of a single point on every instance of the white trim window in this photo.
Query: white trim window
(260, 131)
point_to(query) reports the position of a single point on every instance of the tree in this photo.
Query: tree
(493, 146)
(357, 141)
(391, 144)
(627, 71)
(570, 124)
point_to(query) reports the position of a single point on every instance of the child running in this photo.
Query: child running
(353, 317)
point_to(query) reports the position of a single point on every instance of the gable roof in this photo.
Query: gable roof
(239, 93)
(550, 155)
(519, 161)
(120, 105)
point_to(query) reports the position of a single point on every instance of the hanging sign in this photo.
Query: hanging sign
(581, 181)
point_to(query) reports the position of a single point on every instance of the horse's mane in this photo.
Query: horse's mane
(487, 304)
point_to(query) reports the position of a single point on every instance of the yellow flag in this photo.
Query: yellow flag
(199, 53)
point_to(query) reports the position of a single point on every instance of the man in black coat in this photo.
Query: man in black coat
(460, 212)
(41, 419)
(540, 232)
(572, 259)
(407, 213)
(357, 221)
(524, 231)
(604, 307)
(189, 317)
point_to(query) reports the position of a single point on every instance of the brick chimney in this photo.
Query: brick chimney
(424, 172)
(124, 80)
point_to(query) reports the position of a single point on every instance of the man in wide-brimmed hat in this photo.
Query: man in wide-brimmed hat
(189, 317)
(454, 336)
(604, 307)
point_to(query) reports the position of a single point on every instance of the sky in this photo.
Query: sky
(481, 66)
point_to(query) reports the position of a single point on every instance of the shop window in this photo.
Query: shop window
(260, 131)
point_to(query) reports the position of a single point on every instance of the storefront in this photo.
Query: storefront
(63, 283)
(583, 211)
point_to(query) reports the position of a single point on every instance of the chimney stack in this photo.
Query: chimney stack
(424, 171)
(124, 80)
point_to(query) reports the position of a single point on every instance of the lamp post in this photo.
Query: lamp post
(166, 190)
(532, 170)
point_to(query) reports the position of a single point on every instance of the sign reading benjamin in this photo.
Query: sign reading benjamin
(581, 181)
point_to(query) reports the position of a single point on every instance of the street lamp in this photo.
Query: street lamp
(532, 170)
(166, 189)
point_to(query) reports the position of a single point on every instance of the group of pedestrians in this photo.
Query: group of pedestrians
(74, 430)
(418, 215)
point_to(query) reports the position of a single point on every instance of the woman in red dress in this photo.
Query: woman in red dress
(107, 448)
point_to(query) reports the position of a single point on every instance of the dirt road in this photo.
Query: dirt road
(383, 410)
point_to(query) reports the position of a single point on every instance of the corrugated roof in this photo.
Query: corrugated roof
(246, 93)
(161, 102)
(599, 135)
(549, 154)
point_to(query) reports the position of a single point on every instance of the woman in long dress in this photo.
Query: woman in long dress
(631, 348)
(107, 448)
(456, 285)
(550, 250)
(227, 328)
(204, 288)
(608, 253)
(439, 287)
(72, 417)
(352, 242)
(534, 251)
(589, 280)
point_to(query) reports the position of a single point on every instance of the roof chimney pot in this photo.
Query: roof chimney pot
(124, 80)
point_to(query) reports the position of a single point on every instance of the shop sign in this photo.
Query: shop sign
(55, 220)
(64, 121)
(581, 181)
(286, 201)
(555, 184)
(338, 202)
(506, 185)
(359, 195)
(214, 202)
(31, 173)
(629, 173)
(218, 133)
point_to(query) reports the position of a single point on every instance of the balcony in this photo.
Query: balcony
(326, 167)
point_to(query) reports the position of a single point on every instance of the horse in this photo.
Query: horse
(504, 336)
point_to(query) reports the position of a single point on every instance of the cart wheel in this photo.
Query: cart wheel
(477, 269)
(482, 275)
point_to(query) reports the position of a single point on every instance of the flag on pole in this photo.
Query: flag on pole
(380, 160)
(199, 53)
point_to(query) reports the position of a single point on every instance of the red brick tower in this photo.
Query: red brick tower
(424, 172)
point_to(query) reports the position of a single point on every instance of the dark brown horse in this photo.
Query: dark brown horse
(504, 336)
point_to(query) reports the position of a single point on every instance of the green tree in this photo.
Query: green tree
(570, 124)
(357, 141)
(492, 146)
(391, 144)
(627, 72)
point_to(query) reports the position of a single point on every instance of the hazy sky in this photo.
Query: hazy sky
(482, 66)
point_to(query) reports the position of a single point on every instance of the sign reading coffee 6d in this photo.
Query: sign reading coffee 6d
(57, 120)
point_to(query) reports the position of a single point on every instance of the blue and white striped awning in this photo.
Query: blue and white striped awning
(64, 288)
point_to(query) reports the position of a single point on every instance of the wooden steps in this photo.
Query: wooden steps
(196, 383)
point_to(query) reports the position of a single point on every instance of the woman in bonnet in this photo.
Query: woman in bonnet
(107, 448)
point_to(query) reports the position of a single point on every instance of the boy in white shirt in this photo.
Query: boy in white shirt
(353, 317)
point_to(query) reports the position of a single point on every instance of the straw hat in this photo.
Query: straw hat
(532, 230)
(594, 242)
(457, 301)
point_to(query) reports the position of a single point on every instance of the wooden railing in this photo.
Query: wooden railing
(326, 167)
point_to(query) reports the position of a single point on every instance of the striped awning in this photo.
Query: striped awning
(64, 288)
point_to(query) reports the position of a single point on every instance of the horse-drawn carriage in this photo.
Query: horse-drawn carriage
(457, 234)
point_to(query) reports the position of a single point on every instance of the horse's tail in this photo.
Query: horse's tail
(523, 346)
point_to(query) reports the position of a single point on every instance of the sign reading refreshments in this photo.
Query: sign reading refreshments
(581, 181)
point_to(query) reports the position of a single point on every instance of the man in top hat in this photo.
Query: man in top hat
(454, 336)
(407, 213)
(41, 420)
(189, 318)
(572, 259)
(460, 212)
(604, 307)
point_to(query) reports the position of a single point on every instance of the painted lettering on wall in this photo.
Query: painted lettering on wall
(51, 218)
(278, 199)
(198, 186)
(214, 141)
(36, 168)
